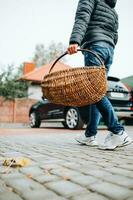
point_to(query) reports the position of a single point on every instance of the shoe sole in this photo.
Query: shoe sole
(126, 143)
(122, 145)
(86, 144)
(80, 142)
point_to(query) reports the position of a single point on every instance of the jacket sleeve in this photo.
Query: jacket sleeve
(116, 38)
(82, 18)
(116, 30)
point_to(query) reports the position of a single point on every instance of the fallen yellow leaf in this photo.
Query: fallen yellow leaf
(16, 162)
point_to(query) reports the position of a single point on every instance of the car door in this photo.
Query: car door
(51, 111)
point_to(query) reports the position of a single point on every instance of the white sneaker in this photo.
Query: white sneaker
(90, 141)
(113, 141)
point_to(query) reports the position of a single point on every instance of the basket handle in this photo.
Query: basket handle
(86, 50)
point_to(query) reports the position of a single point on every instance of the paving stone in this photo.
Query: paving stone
(105, 164)
(38, 157)
(89, 196)
(46, 178)
(2, 186)
(41, 194)
(71, 165)
(49, 167)
(9, 196)
(111, 191)
(120, 171)
(12, 175)
(20, 185)
(84, 180)
(32, 170)
(65, 188)
(64, 172)
(4, 170)
(52, 161)
(97, 173)
(119, 180)
(82, 196)
(84, 168)
(126, 166)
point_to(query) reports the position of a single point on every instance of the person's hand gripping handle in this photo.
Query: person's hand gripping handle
(72, 49)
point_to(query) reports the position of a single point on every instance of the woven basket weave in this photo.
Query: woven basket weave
(76, 86)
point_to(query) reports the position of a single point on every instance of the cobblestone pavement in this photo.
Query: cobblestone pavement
(61, 169)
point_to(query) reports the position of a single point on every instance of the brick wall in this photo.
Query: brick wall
(15, 111)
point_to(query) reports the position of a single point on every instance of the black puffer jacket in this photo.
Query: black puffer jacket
(95, 20)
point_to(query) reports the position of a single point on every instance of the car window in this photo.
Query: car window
(116, 86)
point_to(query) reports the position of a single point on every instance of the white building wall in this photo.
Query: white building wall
(34, 92)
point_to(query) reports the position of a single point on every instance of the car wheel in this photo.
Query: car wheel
(122, 121)
(34, 120)
(73, 119)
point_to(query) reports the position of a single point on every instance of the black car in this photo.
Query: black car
(76, 117)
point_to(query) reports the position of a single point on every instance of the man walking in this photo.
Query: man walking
(95, 28)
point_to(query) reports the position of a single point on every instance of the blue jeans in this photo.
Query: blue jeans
(103, 107)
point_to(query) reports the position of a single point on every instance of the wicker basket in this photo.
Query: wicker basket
(76, 86)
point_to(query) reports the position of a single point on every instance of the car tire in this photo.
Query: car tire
(122, 121)
(73, 119)
(34, 120)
